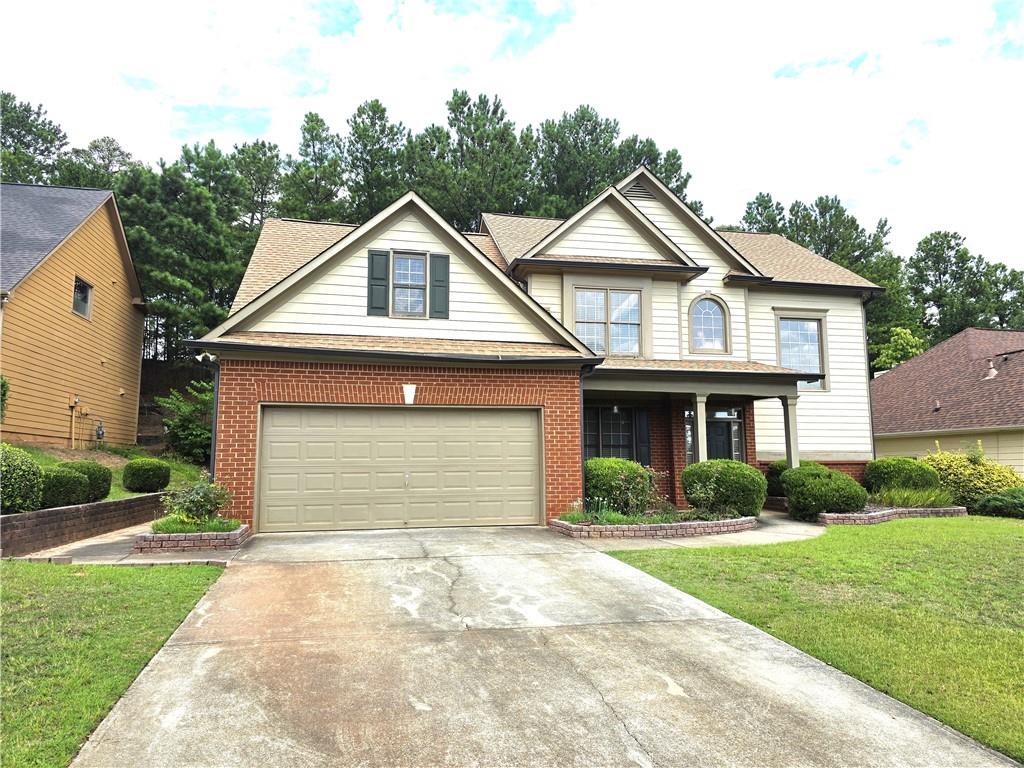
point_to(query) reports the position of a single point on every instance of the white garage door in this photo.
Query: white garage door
(332, 468)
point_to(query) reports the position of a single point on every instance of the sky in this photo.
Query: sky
(912, 111)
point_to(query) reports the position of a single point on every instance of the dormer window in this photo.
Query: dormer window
(709, 326)
(608, 321)
(410, 285)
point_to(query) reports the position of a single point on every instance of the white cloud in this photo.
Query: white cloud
(926, 134)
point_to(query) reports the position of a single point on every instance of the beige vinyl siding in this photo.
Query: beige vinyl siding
(665, 320)
(49, 353)
(1004, 446)
(335, 302)
(604, 232)
(832, 424)
(547, 290)
(686, 237)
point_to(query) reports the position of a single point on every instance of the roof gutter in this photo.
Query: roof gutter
(663, 372)
(536, 261)
(756, 281)
(373, 354)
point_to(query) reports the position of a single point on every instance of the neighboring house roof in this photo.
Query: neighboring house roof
(284, 246)
(773, 255)
(355, 345)
(35, 220)
(954, 376)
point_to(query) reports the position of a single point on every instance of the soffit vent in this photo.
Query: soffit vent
(639, 192)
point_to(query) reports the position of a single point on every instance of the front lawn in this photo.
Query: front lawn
(73, 639)
(182, 473)
(929, 611)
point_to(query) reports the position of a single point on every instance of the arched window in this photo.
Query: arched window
(709, 327)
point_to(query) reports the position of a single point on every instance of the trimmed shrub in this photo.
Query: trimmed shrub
(725, 487)
(813, 490)
(623, 485)
(969, 477)
(194, 503)
(99, 476)
(63, 487)
(1008, 503)
(774, 475)
(21, 481)
(146, 475)
(899, 472)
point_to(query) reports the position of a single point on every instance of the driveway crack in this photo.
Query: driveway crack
(644, 759)
(450, 596)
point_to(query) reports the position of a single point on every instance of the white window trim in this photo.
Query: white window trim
(608, 317)
(88, 312)
(726, 325)
(392, 285)
(821, 317)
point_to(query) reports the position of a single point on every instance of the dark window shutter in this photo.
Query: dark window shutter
(377, 283)
(439, 285)
(642, 436)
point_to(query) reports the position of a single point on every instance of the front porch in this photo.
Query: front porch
(668, 417)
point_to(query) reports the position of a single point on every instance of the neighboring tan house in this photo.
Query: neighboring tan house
(966, 390)
(72, 315)
(401, 373)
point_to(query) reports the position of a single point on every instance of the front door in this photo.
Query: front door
(719, 440)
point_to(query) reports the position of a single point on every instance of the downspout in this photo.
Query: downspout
(213, 425)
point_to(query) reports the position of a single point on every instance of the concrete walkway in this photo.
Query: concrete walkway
(488, 646)
(115, 548)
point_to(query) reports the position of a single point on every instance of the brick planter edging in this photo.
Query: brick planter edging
(152, 543)
(654, 531)
(28, 532)
(885, 515)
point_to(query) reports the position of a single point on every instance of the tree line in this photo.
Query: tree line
(192, 223)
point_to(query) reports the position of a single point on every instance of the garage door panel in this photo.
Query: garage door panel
(352, 467)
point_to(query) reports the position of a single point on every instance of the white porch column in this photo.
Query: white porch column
(700, 425)
(789, 421)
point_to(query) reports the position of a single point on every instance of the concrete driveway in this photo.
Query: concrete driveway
(488, 647)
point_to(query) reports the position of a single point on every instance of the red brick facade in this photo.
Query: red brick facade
(245, 384)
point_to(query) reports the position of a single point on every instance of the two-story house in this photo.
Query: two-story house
(401, 373)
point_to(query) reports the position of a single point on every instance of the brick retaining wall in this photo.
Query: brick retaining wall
(154, 543)
(658, 530)
(885, 515)
(44, 528)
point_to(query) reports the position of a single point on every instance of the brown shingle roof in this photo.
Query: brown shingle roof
(284, 246)
(487, 245)
(784, 260)
(515, 235)
(438, 347)
(684, 366)
(953, 374)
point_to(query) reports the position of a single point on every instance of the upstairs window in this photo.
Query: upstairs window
(708, 328)
(82, 301)
(609, 321)
(800, 347)
(409, 285)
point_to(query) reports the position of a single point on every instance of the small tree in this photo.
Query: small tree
(190, 423)
(902, 346)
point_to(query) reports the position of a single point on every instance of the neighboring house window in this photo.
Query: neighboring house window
(609, 321)
(82, 302)
(708, 326)
(409, 285)
(616, 432)
(800, 347)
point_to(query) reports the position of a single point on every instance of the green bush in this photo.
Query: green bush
(726, 487)
(1008, 503)
(813, 490)
(63, 487)
(893, 496)
(201, 500)
(774, 475)
(146, 475)
(625, 486)
(899, 472)
(969, 477)
(5, 388)
(212, 525)
(21, 481)
(99, 476)
(190, 424)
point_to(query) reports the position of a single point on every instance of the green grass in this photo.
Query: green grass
(182, 472)
(74, 638)
(929, 611)
(212, 525)
(611, 517)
